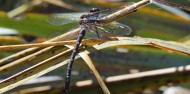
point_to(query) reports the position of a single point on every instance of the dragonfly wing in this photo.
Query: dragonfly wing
(118, 29)
(99, 33)
(91, 33)
(54, 34)
(109, 30)
(64, 18)
(122, 29)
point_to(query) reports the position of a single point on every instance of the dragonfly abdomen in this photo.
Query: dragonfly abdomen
(75, 50)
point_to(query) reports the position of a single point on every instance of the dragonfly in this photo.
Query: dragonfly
(89, 26)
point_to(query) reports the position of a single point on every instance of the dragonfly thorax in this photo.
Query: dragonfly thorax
(90, 18)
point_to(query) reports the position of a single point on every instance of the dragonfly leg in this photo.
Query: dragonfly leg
(97, 33)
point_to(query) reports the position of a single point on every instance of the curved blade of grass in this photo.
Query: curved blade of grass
(90, 64)
(166, 45)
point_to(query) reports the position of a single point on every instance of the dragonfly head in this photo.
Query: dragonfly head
(94, 10)
(82, 18)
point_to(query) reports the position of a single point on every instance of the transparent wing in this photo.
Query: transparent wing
(95, 34)
(118, 29)
(110, 30)
(64, 18)
(59, 32)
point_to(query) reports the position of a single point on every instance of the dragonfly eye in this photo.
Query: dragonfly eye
(83, 16)
(94, 10)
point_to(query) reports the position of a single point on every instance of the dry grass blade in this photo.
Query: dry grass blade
(89, 42)
(90, 64)
(148, 78)
(168, 3)
(23, 8)
(18, 63)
